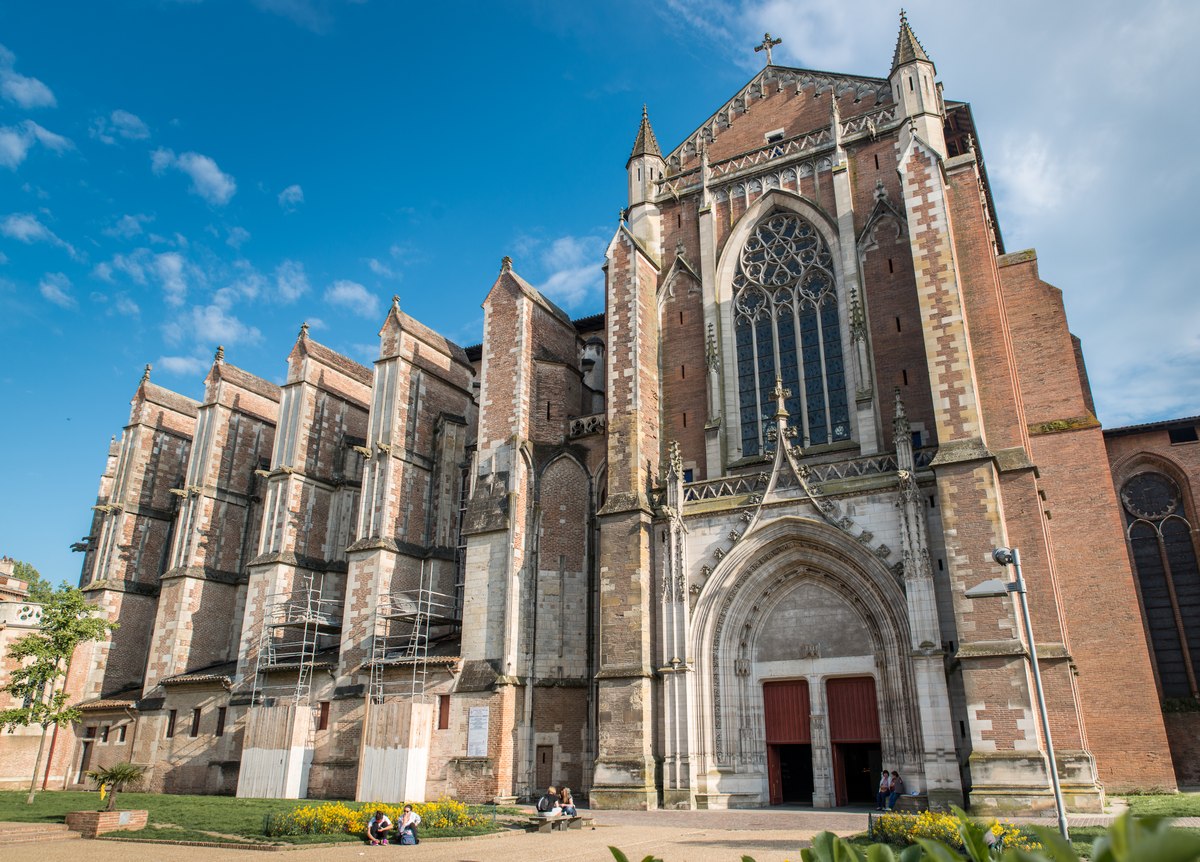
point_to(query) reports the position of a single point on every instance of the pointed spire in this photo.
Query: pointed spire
(645, 144)
(220, 357)
(908, 46)
(146, 373)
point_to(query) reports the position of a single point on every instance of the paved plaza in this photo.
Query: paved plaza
(675, 836)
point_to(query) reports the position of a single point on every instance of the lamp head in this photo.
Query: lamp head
(1003, 556)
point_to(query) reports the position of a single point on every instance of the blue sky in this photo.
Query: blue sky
(177, 174)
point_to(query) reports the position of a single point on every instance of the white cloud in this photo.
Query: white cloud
(20, 89)
(291, 198)
(208, 180)
(238, 236)
(3, 258)
(573, 267)
(172, 276)
(214, 324)
(181, 364)
(126, 306)
(248, 286)
(16, 142)
(128, 226)
(354, 297)
(291, 282)
(119, 124)
(310, 14)
(56, 287)
(380, 269)
(25, 227)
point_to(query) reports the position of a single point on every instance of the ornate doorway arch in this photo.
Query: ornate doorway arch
(786, 565)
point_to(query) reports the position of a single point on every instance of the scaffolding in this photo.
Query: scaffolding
(297, 625)
(407, 624)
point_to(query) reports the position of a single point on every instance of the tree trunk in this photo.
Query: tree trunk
(37, 767)
(112, 799)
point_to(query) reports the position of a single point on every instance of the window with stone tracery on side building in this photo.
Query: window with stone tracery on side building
(1168, 579)
(786, 325)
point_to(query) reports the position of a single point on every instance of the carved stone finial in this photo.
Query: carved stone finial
(780, 395)
(675, 458)
(680, 248)
(506, 264)
(767, 44)
(880, 191)
(621, 217)
(903, 430)
(304, 329)
(711, 357)
(146, 373)
(395, 302)
(220, 357)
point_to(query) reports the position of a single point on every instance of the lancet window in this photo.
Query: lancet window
(1168, 579)
(786, 325)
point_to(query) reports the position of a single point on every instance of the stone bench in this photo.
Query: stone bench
(912, 803)
(557, 824)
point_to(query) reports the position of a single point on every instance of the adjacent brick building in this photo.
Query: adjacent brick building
(708, 549)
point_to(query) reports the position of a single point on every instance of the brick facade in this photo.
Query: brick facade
(547, 559)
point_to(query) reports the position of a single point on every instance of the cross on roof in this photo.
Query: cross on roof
(767, 44)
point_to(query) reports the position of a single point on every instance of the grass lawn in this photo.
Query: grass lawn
(1165, 805)
(197, 818)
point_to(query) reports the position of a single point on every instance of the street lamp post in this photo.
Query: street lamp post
(999, 587)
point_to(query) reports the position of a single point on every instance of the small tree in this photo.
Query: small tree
(116, 778)
(39, 588)
(42, 658)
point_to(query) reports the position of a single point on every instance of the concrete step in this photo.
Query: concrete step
(33, 833)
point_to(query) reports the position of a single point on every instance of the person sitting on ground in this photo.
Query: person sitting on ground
(408, 827)
(885, 790)
(897, 789)
(377, 828)
(566, 802)
(548, 805)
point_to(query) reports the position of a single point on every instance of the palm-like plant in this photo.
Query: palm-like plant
(116, 778)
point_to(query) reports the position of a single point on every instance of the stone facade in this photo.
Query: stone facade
(708, 549)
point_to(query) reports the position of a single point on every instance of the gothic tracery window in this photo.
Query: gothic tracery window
(786, 325)
(1164, 556)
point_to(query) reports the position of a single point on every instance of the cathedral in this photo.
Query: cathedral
(708, 549)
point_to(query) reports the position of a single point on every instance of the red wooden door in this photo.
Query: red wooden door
(853, 712)
(840, 796)
(786, 711)
(774, 776)
(853, 718)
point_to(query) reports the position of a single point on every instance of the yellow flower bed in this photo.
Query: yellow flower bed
(328, 818)
(904, 829)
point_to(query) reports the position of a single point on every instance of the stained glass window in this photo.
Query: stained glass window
(786, 325)
(1168, 579)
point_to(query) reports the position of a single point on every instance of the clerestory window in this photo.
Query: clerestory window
(786, 325)
(1168, 579)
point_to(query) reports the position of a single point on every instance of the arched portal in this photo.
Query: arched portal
(799, 601)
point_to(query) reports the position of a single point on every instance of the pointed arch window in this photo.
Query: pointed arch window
(786, 325)
(1168, 579)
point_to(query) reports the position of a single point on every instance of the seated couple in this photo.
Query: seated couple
(380, 824)
(556, 803)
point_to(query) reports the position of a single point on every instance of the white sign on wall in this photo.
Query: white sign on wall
(477, 731)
